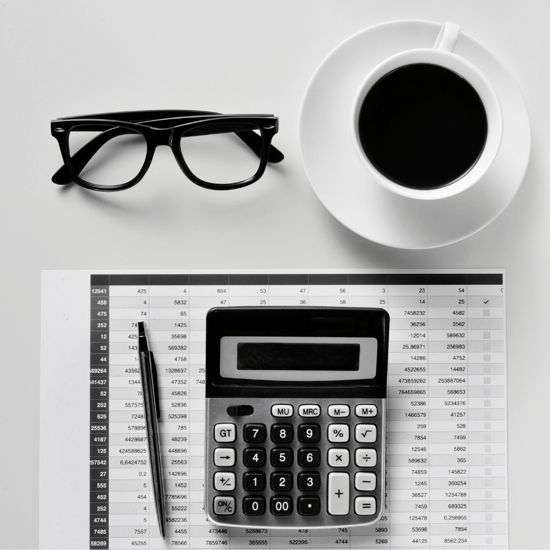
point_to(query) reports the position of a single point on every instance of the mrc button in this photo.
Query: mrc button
(309, 411)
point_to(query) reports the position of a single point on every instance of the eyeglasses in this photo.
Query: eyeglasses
(113, 151)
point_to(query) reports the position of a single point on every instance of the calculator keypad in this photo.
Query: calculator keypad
(296, 463)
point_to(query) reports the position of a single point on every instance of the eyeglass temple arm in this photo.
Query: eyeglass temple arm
(86, 153)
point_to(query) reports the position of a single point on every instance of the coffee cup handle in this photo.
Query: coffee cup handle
(447, 37)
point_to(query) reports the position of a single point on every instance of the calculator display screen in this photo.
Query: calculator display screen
(301, 358)
(297, 356)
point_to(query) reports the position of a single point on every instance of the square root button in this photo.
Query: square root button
(366, 433)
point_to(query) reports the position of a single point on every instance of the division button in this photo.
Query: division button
(224, 506)
(366, 411)
(365, 433)
(365, 458)
(309, 411)
(365, 506)
(225, 433)
(224, 457)
(282, 410)
(224, 481)
(338, 494)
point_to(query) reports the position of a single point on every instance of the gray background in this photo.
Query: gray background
(67, 57)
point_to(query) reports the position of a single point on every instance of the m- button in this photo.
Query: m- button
(338, 411)
(225, 433)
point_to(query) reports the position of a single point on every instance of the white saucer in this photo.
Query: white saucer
(346, 189)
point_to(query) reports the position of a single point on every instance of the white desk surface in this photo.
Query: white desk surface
(61, 58)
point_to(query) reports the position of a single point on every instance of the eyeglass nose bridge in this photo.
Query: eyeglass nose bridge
(162, 136)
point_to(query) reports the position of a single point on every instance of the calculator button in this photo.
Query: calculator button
(309, 481)
(365, 433)
(338, 411)
(309, 411)
(338, 494)
(281, 457)
(254, 433)
(224, 457)
(281, 481)
(254, 458)
(309, 433)
(282, 410)
(365, 458)
(338, 433)
(254, 506)
(225, 433)
(281, 506)
(224, 481)
(282, 433)
(366, 411)
(338, 458)
(309, 458)
(365, 506)
(365, 481)
(224, 506)
(254, 481)
(309, 506)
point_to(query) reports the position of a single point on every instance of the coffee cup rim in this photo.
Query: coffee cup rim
(480, 83)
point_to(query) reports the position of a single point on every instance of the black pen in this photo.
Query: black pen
(151, 406)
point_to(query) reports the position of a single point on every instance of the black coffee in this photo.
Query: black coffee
(423, 126)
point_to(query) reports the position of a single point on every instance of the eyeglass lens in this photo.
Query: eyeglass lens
(213, 153)
(219, 156)
(117, 161)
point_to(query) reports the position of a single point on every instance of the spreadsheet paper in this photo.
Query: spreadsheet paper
(446, 448)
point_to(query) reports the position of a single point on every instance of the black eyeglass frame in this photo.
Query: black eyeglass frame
(162, 127)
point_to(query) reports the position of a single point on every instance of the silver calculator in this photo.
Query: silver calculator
(295, 416)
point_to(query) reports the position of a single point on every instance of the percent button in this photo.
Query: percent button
(338, 433)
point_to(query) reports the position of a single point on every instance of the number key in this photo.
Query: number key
(281, 457)
(254, 458)
(309, 481)
(309, 433)
(282, 433)
(254, 433)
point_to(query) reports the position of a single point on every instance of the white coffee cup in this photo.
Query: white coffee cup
(442, 55)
